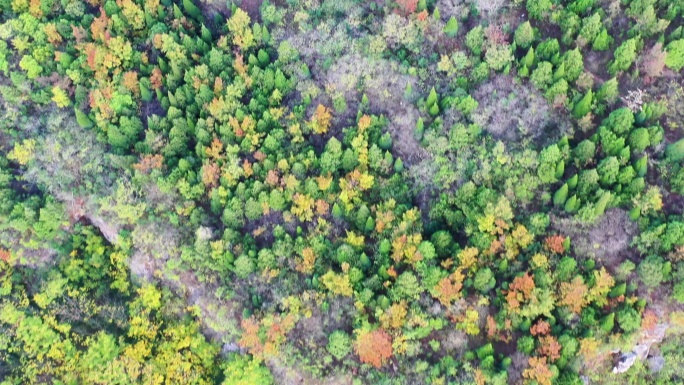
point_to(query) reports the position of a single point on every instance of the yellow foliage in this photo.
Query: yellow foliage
(337, 283)
(469, 324)
(306, 264)
(540, 260)
(23, 152)
(238, 25)
(302, 207)
(355, 240)
(468, 257)
(320, 122)
(324, 182)
(394, 317)
(364, 123)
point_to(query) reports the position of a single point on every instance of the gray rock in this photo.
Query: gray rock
(626, 362)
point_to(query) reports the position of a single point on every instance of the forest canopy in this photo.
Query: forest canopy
(341, 192)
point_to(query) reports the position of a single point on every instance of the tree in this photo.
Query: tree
(602, 41)
(583, 107)
(538, 8)
(244, 370)
(608, 92)
(339, 344)
(542, 76)
(651, 271)
(407, 7)
(524, 35)
(675, 55)
(60, 97)
(538, 371)
(475, 40)
(574, 294)
(239, 27)
(373, 347)
(639, 139)
(498, 56)
(321, 120)
(625, 55)
(561, 195)
(675, 151)
(451, 27)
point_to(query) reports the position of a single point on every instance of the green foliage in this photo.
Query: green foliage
(339, 344)
(675, 151)
(583, 106)
(561, 195)
(244, 370)
(625, 55)
(651, 271)
(524, 35)
(675, 55)
(475, 40)
(538, 8)
(451, 27)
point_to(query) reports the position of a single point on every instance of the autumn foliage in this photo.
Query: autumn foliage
(374, 347)
(554, 244)
(520, 290)
(538, 371)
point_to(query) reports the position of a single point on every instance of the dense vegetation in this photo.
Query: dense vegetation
(341, 191)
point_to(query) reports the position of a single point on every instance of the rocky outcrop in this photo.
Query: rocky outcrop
(640, 351)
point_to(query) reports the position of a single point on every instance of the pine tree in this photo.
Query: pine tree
(82, 119)
(572, 182)
(451, 28)
(641, 166)
(583, 107)
(561, 195)
(602, 41)
(528, 60)
(192, 10)
(572, 204)
(600, 207)
(432, 99)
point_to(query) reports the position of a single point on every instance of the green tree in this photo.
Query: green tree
(625, 55)
(339, 344)
(561, 195)
(451, 28)
(244, 370)
(538, 8)
(675, 55)
(583, 106)
(524, 35)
